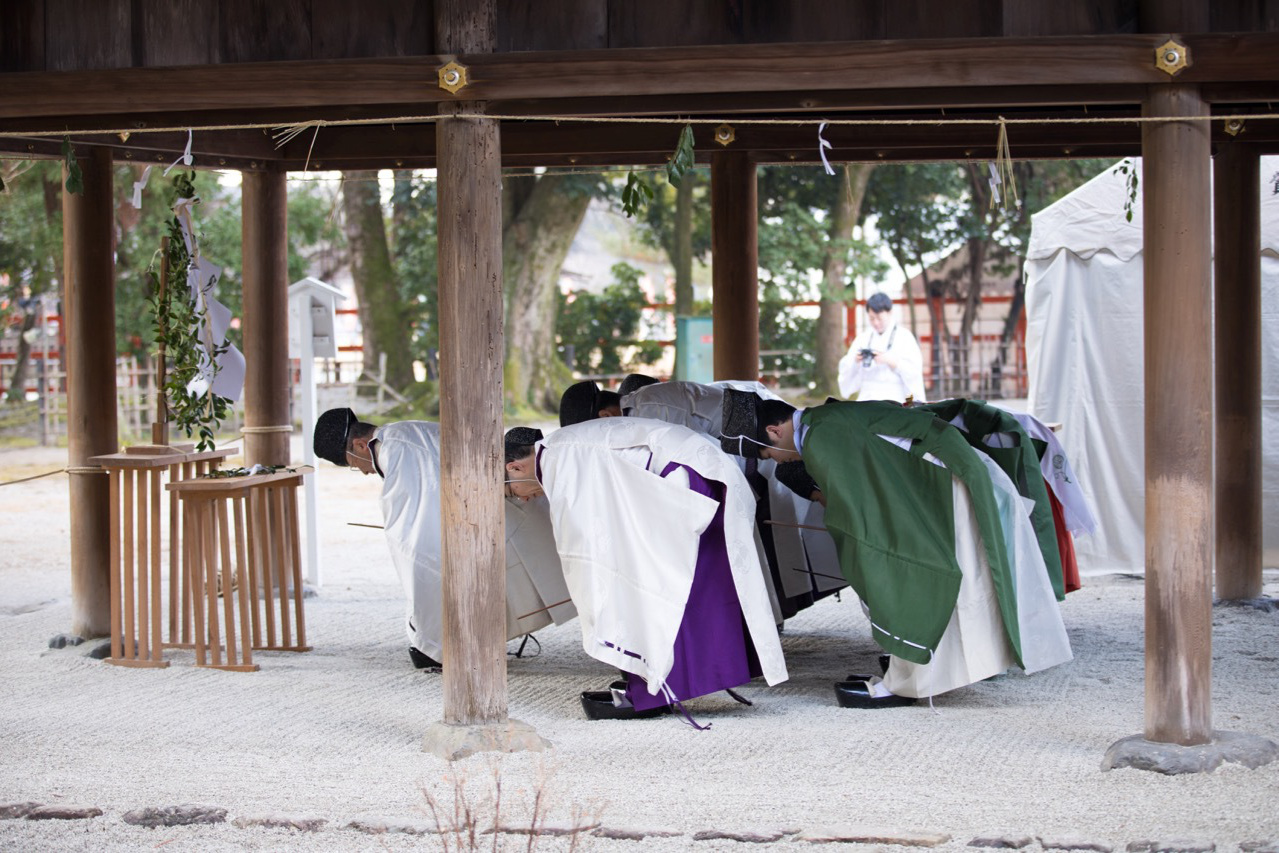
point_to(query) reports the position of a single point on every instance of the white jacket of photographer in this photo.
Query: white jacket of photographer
(896, 373)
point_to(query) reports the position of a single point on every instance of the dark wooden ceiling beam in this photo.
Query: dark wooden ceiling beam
(528, 144)
(1123, 60)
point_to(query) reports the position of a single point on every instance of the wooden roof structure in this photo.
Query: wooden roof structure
(132, 66)
(1190, 85)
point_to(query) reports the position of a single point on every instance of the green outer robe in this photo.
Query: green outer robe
(891, 514)
(1020, 463)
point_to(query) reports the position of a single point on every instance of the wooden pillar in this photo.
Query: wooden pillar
(267, 422)
(88, 222)
(1237, 290)
(472, 514)
(735, 265)
(1176, 199)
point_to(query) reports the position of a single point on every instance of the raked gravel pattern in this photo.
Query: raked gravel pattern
(313, 743)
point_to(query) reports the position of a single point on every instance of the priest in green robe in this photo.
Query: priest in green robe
(924, 526)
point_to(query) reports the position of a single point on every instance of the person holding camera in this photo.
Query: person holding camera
(884, 362)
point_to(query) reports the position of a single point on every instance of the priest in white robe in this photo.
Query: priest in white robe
(654, 528)
(406, 455)
(800, 554)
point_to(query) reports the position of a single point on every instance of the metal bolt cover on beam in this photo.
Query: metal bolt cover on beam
(452, 77)
(1172, 57)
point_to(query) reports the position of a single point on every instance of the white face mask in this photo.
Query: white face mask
(368, 459)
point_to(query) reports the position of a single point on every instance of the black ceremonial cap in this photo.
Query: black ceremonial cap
(634, 382)
(332, 429)
(580, 403)
(518, 438)
(794, 476)
(741, 424)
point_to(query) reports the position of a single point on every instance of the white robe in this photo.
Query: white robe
(408, 454)
(974, 645)
(879, 381)
(701, 408)
(628, 539)
(1055, 466)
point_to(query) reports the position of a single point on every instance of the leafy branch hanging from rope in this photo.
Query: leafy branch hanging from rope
(638, 193)
(1129, 168)
(180, 316)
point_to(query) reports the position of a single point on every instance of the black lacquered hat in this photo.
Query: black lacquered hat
(741, 433)
(580, 403)
(519, 438)
(635, 381)
(332, 429)
(794, 476)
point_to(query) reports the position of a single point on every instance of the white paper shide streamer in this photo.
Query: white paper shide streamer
(822, 145)
(222, 374)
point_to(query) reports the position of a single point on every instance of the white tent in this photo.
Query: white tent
(1085, 356)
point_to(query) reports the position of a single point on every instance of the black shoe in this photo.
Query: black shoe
(421, 661)
(857, 694)
(598, 705)
(884, 661)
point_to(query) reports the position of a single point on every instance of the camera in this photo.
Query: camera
(867, 356)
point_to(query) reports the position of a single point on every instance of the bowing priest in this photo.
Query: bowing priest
(800, 555)
(406, 455)
(932, 535)
(654, 526)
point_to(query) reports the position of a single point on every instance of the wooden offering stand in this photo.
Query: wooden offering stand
(137, 521)
(254, 518)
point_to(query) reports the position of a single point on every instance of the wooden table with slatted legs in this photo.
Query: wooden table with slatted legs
(258, 513)
(137, 529)
(192, 464)
(136, 555)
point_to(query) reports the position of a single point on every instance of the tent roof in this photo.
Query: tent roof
(1092, 218)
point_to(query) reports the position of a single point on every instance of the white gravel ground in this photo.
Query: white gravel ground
(336, 733)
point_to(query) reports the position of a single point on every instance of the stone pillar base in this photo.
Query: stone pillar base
(1173, 759)
(454, 741)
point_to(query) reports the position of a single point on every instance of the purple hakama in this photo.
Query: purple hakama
(712, 649)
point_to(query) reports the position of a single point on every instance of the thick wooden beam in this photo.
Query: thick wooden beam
(735, 266)
(1176, 199)
(1237, 316)
(703, 69)
(88, 221)
(472, 515)
(572, 144)
(267, 423)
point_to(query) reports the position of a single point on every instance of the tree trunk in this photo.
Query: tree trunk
(972, 302)
(1006, 337)
(935, 299)
(401, 211)
(533, 248)
(18, 378)
(830, 321)
(383, 316)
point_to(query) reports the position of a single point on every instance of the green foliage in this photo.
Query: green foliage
(177, 317)
(30, 232)
(414, 252)
(795, 205)
(139, 234)
(1129, 168)
(682, 160)
(658, 224)
(638, 193)
(782, 329)
(598, 325)
(75, 177)
(635, 195)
